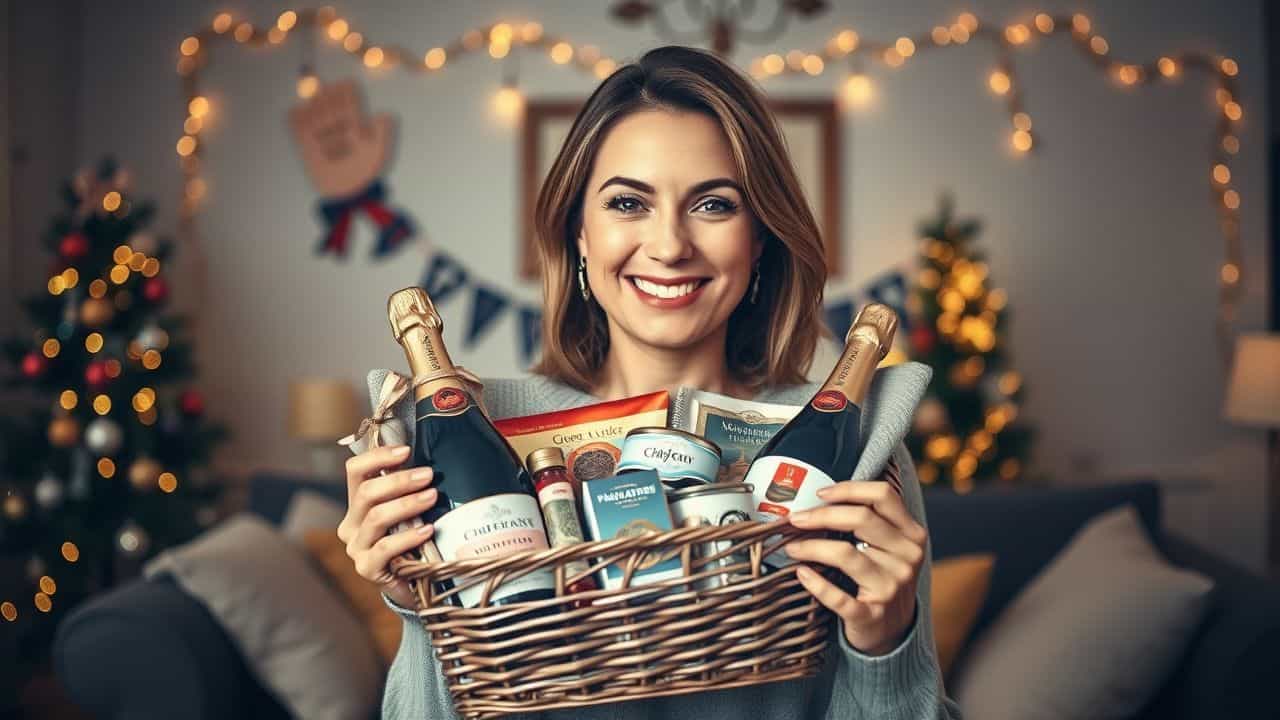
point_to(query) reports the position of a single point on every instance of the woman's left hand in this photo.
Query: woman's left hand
(885, 568)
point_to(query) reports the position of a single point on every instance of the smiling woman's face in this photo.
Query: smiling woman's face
(666, 230)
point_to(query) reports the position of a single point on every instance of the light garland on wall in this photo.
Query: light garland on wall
(498, 40)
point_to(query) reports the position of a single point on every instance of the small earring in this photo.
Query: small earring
(755, 286)
(582, 278)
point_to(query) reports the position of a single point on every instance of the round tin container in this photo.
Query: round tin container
(682, 459)
(713, 504)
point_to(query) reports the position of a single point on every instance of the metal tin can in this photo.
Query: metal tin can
(713, 504)
(682, 459)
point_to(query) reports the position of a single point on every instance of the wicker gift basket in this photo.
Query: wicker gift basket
(727, 621)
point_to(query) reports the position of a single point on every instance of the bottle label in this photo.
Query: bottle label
(445, 401)
(783, 485)
(560, 511)
(829, 401)
(495, 526)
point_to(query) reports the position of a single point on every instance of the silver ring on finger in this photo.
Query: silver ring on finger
(861, 546)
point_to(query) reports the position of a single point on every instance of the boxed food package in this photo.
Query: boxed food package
(634, 503)
(739, 427)
(590, 436)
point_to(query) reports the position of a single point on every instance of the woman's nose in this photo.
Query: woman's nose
(669, 243)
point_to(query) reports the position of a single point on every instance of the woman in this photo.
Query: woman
(677, 249)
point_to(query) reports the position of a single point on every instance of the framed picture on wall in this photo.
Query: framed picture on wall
(810, 127)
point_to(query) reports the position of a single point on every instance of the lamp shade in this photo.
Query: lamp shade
(322, 409)
(1253, 397)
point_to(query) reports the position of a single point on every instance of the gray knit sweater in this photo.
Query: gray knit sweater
(906, 684)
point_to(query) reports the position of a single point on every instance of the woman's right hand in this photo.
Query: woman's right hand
(377, 502)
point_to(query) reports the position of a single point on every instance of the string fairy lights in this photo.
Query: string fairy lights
(846, 47)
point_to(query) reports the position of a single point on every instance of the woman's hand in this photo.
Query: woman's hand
(377, 502)
(885, 569)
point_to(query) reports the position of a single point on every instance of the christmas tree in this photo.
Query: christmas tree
(967, 429)
(102, 447)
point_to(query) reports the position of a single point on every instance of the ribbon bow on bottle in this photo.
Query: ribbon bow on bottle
(393, 227)
(383, 428)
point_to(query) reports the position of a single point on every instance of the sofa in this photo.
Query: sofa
(149, 650)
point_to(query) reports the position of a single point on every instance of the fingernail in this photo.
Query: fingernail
(800, 517)
(823, 492)
(427, 496)
(421, 474)
(804, 573)
(401, 450)
(423, 530)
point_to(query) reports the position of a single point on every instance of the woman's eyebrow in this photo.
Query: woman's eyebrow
(647, 188)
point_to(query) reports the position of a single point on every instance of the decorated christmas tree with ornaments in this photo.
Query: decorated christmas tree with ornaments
(967, 429)
(103, 439)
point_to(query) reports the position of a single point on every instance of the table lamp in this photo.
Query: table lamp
(321, 410)
(1253, 399)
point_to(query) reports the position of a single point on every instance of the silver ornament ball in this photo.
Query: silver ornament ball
(104, 436)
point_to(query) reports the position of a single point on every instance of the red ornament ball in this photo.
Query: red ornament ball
(73, 247)
(192, 403)
(95, 374)
(155, 290)
(923, 339)
(34, 365)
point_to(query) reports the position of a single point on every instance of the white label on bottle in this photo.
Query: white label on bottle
(495, 526)
(781, 486)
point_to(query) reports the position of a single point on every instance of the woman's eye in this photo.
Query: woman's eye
(626, 204)
(717, 205)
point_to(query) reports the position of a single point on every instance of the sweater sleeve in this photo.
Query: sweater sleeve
(415, 689)
(905, 684)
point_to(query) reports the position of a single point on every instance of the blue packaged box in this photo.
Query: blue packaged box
(632, 503)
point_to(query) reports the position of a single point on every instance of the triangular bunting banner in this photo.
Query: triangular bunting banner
(530, 332)
(486, 306)
(444, 277)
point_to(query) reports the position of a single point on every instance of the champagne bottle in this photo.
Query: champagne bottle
(821, 444)
(486, 505)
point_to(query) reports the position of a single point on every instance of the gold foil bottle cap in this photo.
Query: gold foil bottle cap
(876, 322)
(411, 307)
(543, 458)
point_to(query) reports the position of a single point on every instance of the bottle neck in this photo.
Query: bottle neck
(425, 350)
(852, 375)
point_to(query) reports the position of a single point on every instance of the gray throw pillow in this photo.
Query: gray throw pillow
(296, 635)
(1094, 635)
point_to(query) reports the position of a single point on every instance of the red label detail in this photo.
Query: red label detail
(446, 399)
(779, 510)
(830, 401)
(789, 476)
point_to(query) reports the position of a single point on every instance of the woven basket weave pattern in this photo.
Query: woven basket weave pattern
(724, 623)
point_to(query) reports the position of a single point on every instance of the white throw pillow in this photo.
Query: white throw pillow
(308, 510)
(1094, 635)
(295, 634)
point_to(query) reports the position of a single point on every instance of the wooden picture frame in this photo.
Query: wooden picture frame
(810, 128)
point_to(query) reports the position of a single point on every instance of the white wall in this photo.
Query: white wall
(1105, 240)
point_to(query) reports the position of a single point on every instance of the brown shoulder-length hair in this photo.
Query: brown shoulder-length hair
(770, 342)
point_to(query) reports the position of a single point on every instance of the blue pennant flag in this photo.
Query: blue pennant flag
(839, 317)
(486, 306)
(891, 289)
(530, 332)
(443, 277)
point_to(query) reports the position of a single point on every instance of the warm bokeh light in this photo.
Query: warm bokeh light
(287, 20)
(222, 23)
(167, 482)
(338, 29)
(508, 103)
(1221, 174)
(940, 36)
(856, 91)
(531, 32)
(93, 342)
(604, 68)
(847, 41)
(1230, 273)
(561, 53)
(893, 58)
(1021, 140)
(814, 65)
(1231, 144)
(48, 586)
(774, 64)
(353, 42)
(959, 34)
(1231, 199)
(1010, 468)
(1080, 23)
(905, 47)
(43, 603)
(119, 274)
(68, 399)
(111, 201)
(102, 404)
(1010, 381)
(1232, 110)
(107, 468)
(1099, 45)
(70, 552)
(501, 33)
(51, 348)
(151, 268)
(151, 359)
(198, 106)
(57, 284)
(968, 21)
(98, 288)
(1044, 23)
(8, 611)
(186, 145)
(373, 57)
(1168, 67)
(1022, 121)
(244, 32)
(999, 82)
(435, 57)
(1229, 67)
(190, 46)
